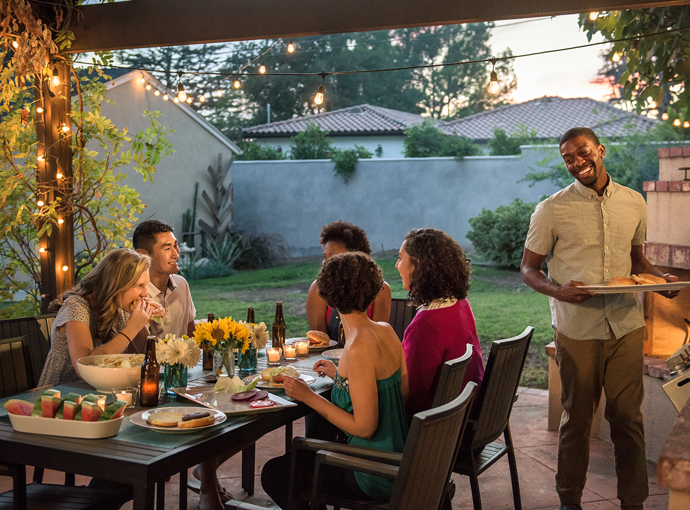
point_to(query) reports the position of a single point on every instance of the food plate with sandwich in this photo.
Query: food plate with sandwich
(247, 401)
(178, 420)
(318, 341)
(642, 282)
(272, 377)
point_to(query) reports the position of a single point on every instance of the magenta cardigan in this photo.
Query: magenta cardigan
(432, 338)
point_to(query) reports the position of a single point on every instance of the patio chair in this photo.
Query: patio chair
(491, 414)
(36, 332)
(421, 472)
(14, 377)
(452, 377)
(402, 313)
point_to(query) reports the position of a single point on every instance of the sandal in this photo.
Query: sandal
(194, 485)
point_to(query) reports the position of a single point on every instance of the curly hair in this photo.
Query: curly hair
(117, 272)
(350, 282)
(144, 236)
(441, 269)
(352, 236)
(579, 131)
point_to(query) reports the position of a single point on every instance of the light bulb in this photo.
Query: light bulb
(42, 249)
(157, 93)
(318, 98)
(593, 16)
(686, 124)
(60, 221)
(41, 158)
(165, 97)
(202, 99)
(65, 268)
(39, 110)
(176, 99)
(58, 175)
(65, 128)
(664, 116)
(40, 203)
(237, 84)
(56, 77)
(290, 47)
(262, 69)
(181, 94)
(616, 57)
(219, 93)
(142, 79)
(15, 44)
(676, 122)
(189, 100)
(148, 86)
(493, 82)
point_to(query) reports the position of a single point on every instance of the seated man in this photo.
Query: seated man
(342, 237)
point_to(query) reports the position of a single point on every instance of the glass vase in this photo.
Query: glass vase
(174, 376)
(247, 362)
(223, 362)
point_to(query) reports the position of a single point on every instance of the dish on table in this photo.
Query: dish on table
(312, 348)
(265, 385)
(620, 289)
(104, 379)
(223, 402)
(65, 428)
(141, 417)
(333, 354)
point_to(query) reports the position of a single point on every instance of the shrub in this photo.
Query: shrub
(500, 235)
(254, 151)
(260, 250)
(346, 159)
(222, 256)
(312, 143)
(426, 141)
(503, 145)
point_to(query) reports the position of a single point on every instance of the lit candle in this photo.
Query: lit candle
(302, 348)
(125, 396)
(273, 355)
(289, 352)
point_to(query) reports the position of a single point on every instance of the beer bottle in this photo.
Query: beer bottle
(278, 327)
(207, 355)
(250, 315)
(149, 375)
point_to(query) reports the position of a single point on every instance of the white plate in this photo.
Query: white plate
(140, 418)
(333, 354)
(205, 396)
(65, 428)
(263, 385)
(319, 348)
(620, 289)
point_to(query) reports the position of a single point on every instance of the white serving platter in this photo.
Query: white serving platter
(223, 402)
(65, 428)
(620, 289)
(333, 354)
(141, 417)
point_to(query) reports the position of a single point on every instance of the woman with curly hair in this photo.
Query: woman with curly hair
(104, 313)
(436, 273)
(370, 382)
(343, 237)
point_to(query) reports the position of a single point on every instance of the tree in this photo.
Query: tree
(503, 145)
(426, 140)
(254, 151)
(312, 143)
(657, 67)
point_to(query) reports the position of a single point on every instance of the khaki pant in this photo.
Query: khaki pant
(587, 366)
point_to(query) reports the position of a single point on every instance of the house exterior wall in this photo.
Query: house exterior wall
(172, 191)
(391, 146)
(386, 197)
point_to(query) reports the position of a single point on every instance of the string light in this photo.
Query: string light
(15, 44)
(148, 86)
(262, 68)
(39, 110)
(202, 99)
(56, 77)
(686, 124)
(59, 175)
(142, 79)
(664, 116)
(65, 268)
(237, 84)
(219, 93)
(616, 57)
(290, 47)
(42, 249)
(165, 97)
(676, 122)
(41, 158)
(65, 128)
(40, 203)
(189, 100)
(181, 94)
(60, 221)
(157, 93)
(493, 78)
(593, 16)
(318, 98)
(176, 99)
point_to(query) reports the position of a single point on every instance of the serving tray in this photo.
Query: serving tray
(65, 428)
(620, 289)
(205, 396)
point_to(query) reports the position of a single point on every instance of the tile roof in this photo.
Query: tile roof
(550, 116)
(355, 120)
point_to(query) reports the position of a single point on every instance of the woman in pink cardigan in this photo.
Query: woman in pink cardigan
(436, 272)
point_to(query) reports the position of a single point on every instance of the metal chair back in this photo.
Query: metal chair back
(402, 313)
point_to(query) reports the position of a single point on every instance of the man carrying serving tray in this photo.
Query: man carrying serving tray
(588, 233)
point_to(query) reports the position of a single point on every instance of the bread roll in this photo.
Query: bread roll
(621, 280)
(196, 420)
(647, 279)
(164, 419)
(318, 338)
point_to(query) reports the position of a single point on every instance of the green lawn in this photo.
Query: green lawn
(503, 305)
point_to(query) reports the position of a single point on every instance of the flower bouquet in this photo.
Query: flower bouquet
(221, 336)
(246, 360)
(177, 355)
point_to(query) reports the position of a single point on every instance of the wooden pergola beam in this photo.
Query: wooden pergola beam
(153, 23)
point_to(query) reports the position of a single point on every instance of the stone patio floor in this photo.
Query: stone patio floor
(536, 459)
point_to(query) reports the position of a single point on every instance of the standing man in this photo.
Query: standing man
(156, 239)
(588, 233)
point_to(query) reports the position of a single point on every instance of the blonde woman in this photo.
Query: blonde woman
(108, 312)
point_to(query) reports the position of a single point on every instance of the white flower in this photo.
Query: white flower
(161, 351)
(193, 353)
(259, 335)
(172, 349)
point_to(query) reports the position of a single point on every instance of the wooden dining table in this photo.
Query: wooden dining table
(145, 458)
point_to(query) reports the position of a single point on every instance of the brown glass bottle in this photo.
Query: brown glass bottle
(149, 375)
(207, 356)
(278, 327)
(250, 316)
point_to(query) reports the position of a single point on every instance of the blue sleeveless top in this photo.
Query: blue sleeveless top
(391, 431)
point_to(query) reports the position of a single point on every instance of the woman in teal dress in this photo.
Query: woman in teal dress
(370, 381)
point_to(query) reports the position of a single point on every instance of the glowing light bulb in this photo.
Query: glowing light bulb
(15, 44)
(686, 124)
(176, 99)
(219, 93)
(41, 158)
(616, 57)
(65, 128)
(493, 83)
(148, 86)
(58, 175)
(142, 79)
(676, 122)
(65, 268)
(262, 69)
(165, 97)
(42, 249)
(593, 16)
(664, 116)
(181, 94)
(189, 100)
(318, 98)
(56, 77)
(60, 221)
(39, 110)
(237, 84)
(202, 99)
(40, 203)
(290, 47)
(157, 93)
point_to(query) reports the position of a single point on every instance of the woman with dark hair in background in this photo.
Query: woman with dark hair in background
(436, 272)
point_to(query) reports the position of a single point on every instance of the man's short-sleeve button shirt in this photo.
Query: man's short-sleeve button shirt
(177, 301)
(588, 238)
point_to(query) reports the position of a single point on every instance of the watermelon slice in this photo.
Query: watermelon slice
(89, 411)
(47, 405)
(16, 406)
(68, 406)
(115, 410)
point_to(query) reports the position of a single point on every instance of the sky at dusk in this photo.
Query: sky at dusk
(565, 74)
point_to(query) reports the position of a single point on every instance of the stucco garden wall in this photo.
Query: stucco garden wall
(386, 197)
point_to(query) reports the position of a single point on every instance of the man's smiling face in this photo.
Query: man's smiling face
(584, 160)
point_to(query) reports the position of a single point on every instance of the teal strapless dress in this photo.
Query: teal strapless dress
(391, 431)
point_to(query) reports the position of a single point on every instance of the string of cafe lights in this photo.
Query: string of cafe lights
(494, 85)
